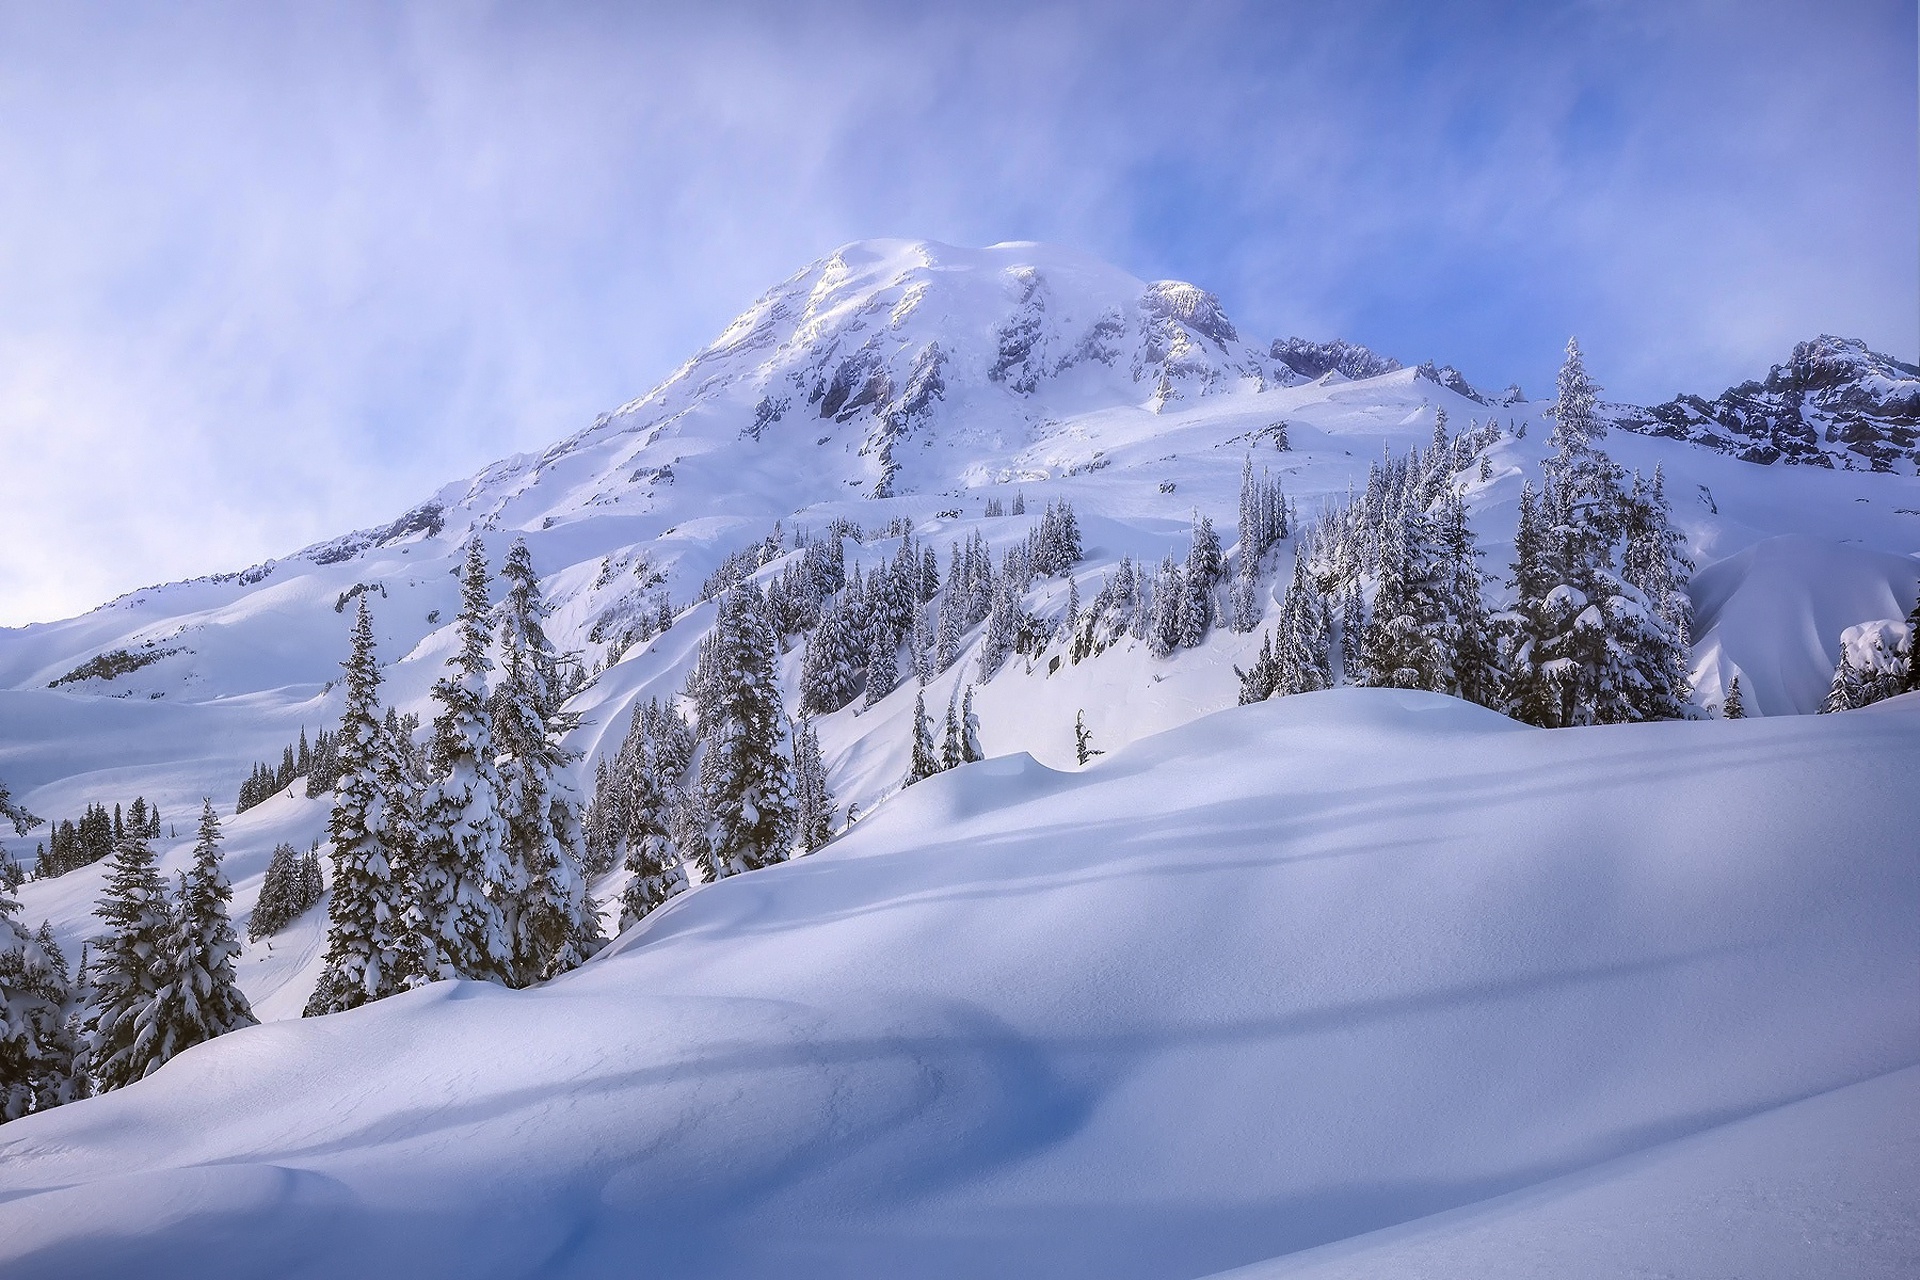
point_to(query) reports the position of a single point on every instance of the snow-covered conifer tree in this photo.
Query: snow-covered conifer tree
(926, 757)
(1300, 655)
(364, 915)
(1169, 609)
(814, 808)
(970, 751)
(952, 753)
(460, 876)
(37, 1050)
(1259, 681)
(542, 894)
(127, 969)
(830, 670)
(883, 670)
(1733, 708)
(200, 996)
(1083, 749)
(746, 774)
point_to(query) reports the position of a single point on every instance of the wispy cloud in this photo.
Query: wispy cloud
(266, 274)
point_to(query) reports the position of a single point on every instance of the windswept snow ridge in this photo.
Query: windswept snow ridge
(1284, 975)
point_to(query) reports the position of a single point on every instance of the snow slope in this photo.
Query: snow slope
(1053, 375)
(1274, 979)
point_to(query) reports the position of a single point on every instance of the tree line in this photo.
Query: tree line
(157, 982)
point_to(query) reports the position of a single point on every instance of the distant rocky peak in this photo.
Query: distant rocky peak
(1834, 403)
(1312, 359)
(1452, 379)
(1191, 306)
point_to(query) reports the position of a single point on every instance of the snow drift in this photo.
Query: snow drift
(1270, 980)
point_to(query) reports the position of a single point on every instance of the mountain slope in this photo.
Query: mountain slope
(1058, 377)
(1284, 975)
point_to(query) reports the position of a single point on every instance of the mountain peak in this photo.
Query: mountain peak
(1834, 403)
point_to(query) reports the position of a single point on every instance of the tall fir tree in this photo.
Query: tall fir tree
(1299, 659)
(655, 863)
(543, 895)
(128, 968)
(37, 1049)
(460, 873)
(814, 799)
(746, 774)
(952, 752)
(1734, 708)
(1531, 695)
(200, 997)
(830, 668)
(925, 761)
(883, 670)
(364, 914)
(970, 750)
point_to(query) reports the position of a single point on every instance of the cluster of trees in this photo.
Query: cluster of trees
(319, 764)
(734, 790)
(858, 626)
(996, 508)
(71, 844)
(462, 861)
(292, 885)
(721, 781)
(958, 745)
(158, 982)
(1877, 660)
(1386, 590)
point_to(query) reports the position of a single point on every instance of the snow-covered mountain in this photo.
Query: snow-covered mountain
(1833, 404)
(899, 383)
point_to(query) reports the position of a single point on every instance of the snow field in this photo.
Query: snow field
(1277, 978)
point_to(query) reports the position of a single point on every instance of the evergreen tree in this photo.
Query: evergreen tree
(37, 1049)
(814, 808)
(746, 778)
(1467, 637)
(970, 751)
(645, 789)
(364, 917)
(882, 663)
(454, 926)
(1733, 708)
(543, 893)
(128, 968)
(1169, 609)
(657, 868)
(1403, 645)
(1083, 749)
(21, 820)
(926, 758)
(952, 753)
(1260, 681)
(1299, 659)
(280, 890)
(1003, 622)
(829, 670)
(1531, 695)
(1913, 648)
(200, 996)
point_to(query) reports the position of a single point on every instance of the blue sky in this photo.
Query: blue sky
(271, 272)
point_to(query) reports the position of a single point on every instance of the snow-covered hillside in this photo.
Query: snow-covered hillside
(1262, 979)
(1280, 977)
(941, 378)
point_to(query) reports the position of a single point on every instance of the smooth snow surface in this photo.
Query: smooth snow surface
(1275, 979)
